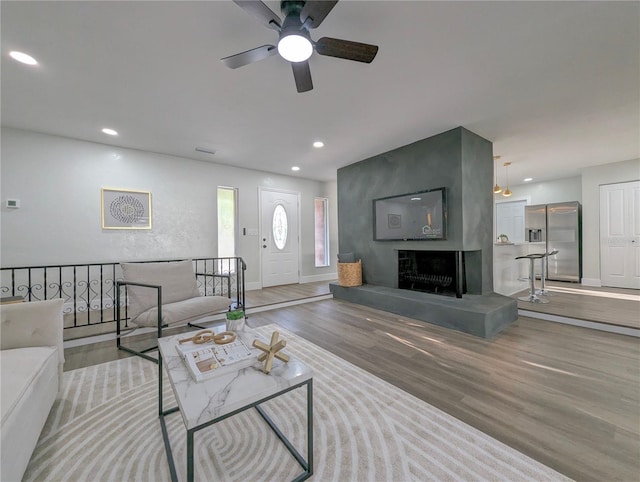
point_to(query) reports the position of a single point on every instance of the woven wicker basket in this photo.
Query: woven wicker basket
(350, 274)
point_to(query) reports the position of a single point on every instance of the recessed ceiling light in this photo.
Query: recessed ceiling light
(22, 57)
(416, 198)
(318, 144)
(528, 179)
(295, 168)
(110, 132)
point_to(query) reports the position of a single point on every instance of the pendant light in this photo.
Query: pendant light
(507, 192)
(496, 189)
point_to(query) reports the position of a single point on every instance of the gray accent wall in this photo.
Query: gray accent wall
(457, 159)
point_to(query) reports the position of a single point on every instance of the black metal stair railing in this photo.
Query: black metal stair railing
(89, 289)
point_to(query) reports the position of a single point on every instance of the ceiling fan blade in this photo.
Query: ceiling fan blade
(250, 56)
(345, 49)
(316, 11)
(259, 10)
(302, 76)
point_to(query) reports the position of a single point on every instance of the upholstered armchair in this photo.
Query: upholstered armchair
(160, 295)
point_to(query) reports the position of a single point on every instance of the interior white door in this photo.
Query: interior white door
(620, 235)
(279, 239)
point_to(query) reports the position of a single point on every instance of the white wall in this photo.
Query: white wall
(586, 190)
(592, 179)
(556, 191)
(58, 182)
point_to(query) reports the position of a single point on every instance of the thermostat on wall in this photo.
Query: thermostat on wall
(13, 203)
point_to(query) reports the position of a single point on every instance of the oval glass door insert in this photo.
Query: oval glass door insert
(280, 226)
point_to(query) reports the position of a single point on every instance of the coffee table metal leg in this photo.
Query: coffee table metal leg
(190, 455)
(307, 465)
(163, 423)
(310, 427)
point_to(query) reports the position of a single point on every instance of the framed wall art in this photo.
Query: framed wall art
(125, 209)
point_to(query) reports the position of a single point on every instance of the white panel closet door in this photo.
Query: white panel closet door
(620, 235)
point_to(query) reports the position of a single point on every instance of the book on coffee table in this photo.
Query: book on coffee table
(208, 360)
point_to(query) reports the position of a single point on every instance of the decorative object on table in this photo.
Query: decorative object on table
(126, 209)
(503, 238)
(207, 354)
(206, 336)
(235, 320)
(271, 351)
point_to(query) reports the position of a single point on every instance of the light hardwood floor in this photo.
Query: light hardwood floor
(567, 396)
(285, 293)
(611, 306)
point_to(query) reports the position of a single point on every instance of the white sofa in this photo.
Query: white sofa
(31, 357)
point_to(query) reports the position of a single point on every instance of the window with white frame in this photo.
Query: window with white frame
(227, 221)
(321, 231)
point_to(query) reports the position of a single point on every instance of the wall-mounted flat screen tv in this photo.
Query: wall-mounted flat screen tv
(414, 216)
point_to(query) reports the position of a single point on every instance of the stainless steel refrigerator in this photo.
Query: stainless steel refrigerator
(557, 226)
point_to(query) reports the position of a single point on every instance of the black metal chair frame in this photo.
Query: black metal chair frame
(158, 288)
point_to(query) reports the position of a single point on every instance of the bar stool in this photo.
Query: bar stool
(542, 291)
(533, 298)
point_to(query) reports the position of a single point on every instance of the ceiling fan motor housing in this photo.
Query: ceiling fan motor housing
(288, 7)
(292, 23)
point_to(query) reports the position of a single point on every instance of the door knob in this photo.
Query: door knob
(264, 245)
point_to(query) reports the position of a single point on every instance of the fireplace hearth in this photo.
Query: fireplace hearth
(438, 272)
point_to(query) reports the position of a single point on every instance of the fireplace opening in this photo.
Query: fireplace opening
(439, 272)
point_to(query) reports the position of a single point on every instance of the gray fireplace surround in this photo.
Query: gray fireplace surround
(479, 315)
(461, 162)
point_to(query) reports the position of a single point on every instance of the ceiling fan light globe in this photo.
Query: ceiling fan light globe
(295, 48)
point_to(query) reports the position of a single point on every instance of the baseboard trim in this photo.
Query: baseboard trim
(257, 285)
(253, 285)
(620, 330)
(595, 282)
(319, 277)
(284, 304)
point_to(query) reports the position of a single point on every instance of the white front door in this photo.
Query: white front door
(279, 239)
(620, 235)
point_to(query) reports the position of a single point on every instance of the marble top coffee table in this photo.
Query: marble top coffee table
(233, 391)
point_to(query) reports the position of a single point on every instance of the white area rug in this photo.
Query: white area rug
(106, 428)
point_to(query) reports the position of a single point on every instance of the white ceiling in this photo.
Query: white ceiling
(554, 85)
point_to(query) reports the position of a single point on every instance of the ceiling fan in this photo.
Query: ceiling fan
(294, 42)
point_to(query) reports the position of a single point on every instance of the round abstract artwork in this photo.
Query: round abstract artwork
(127, 209)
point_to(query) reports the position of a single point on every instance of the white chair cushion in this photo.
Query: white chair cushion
(184, 311)
(177, 279)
